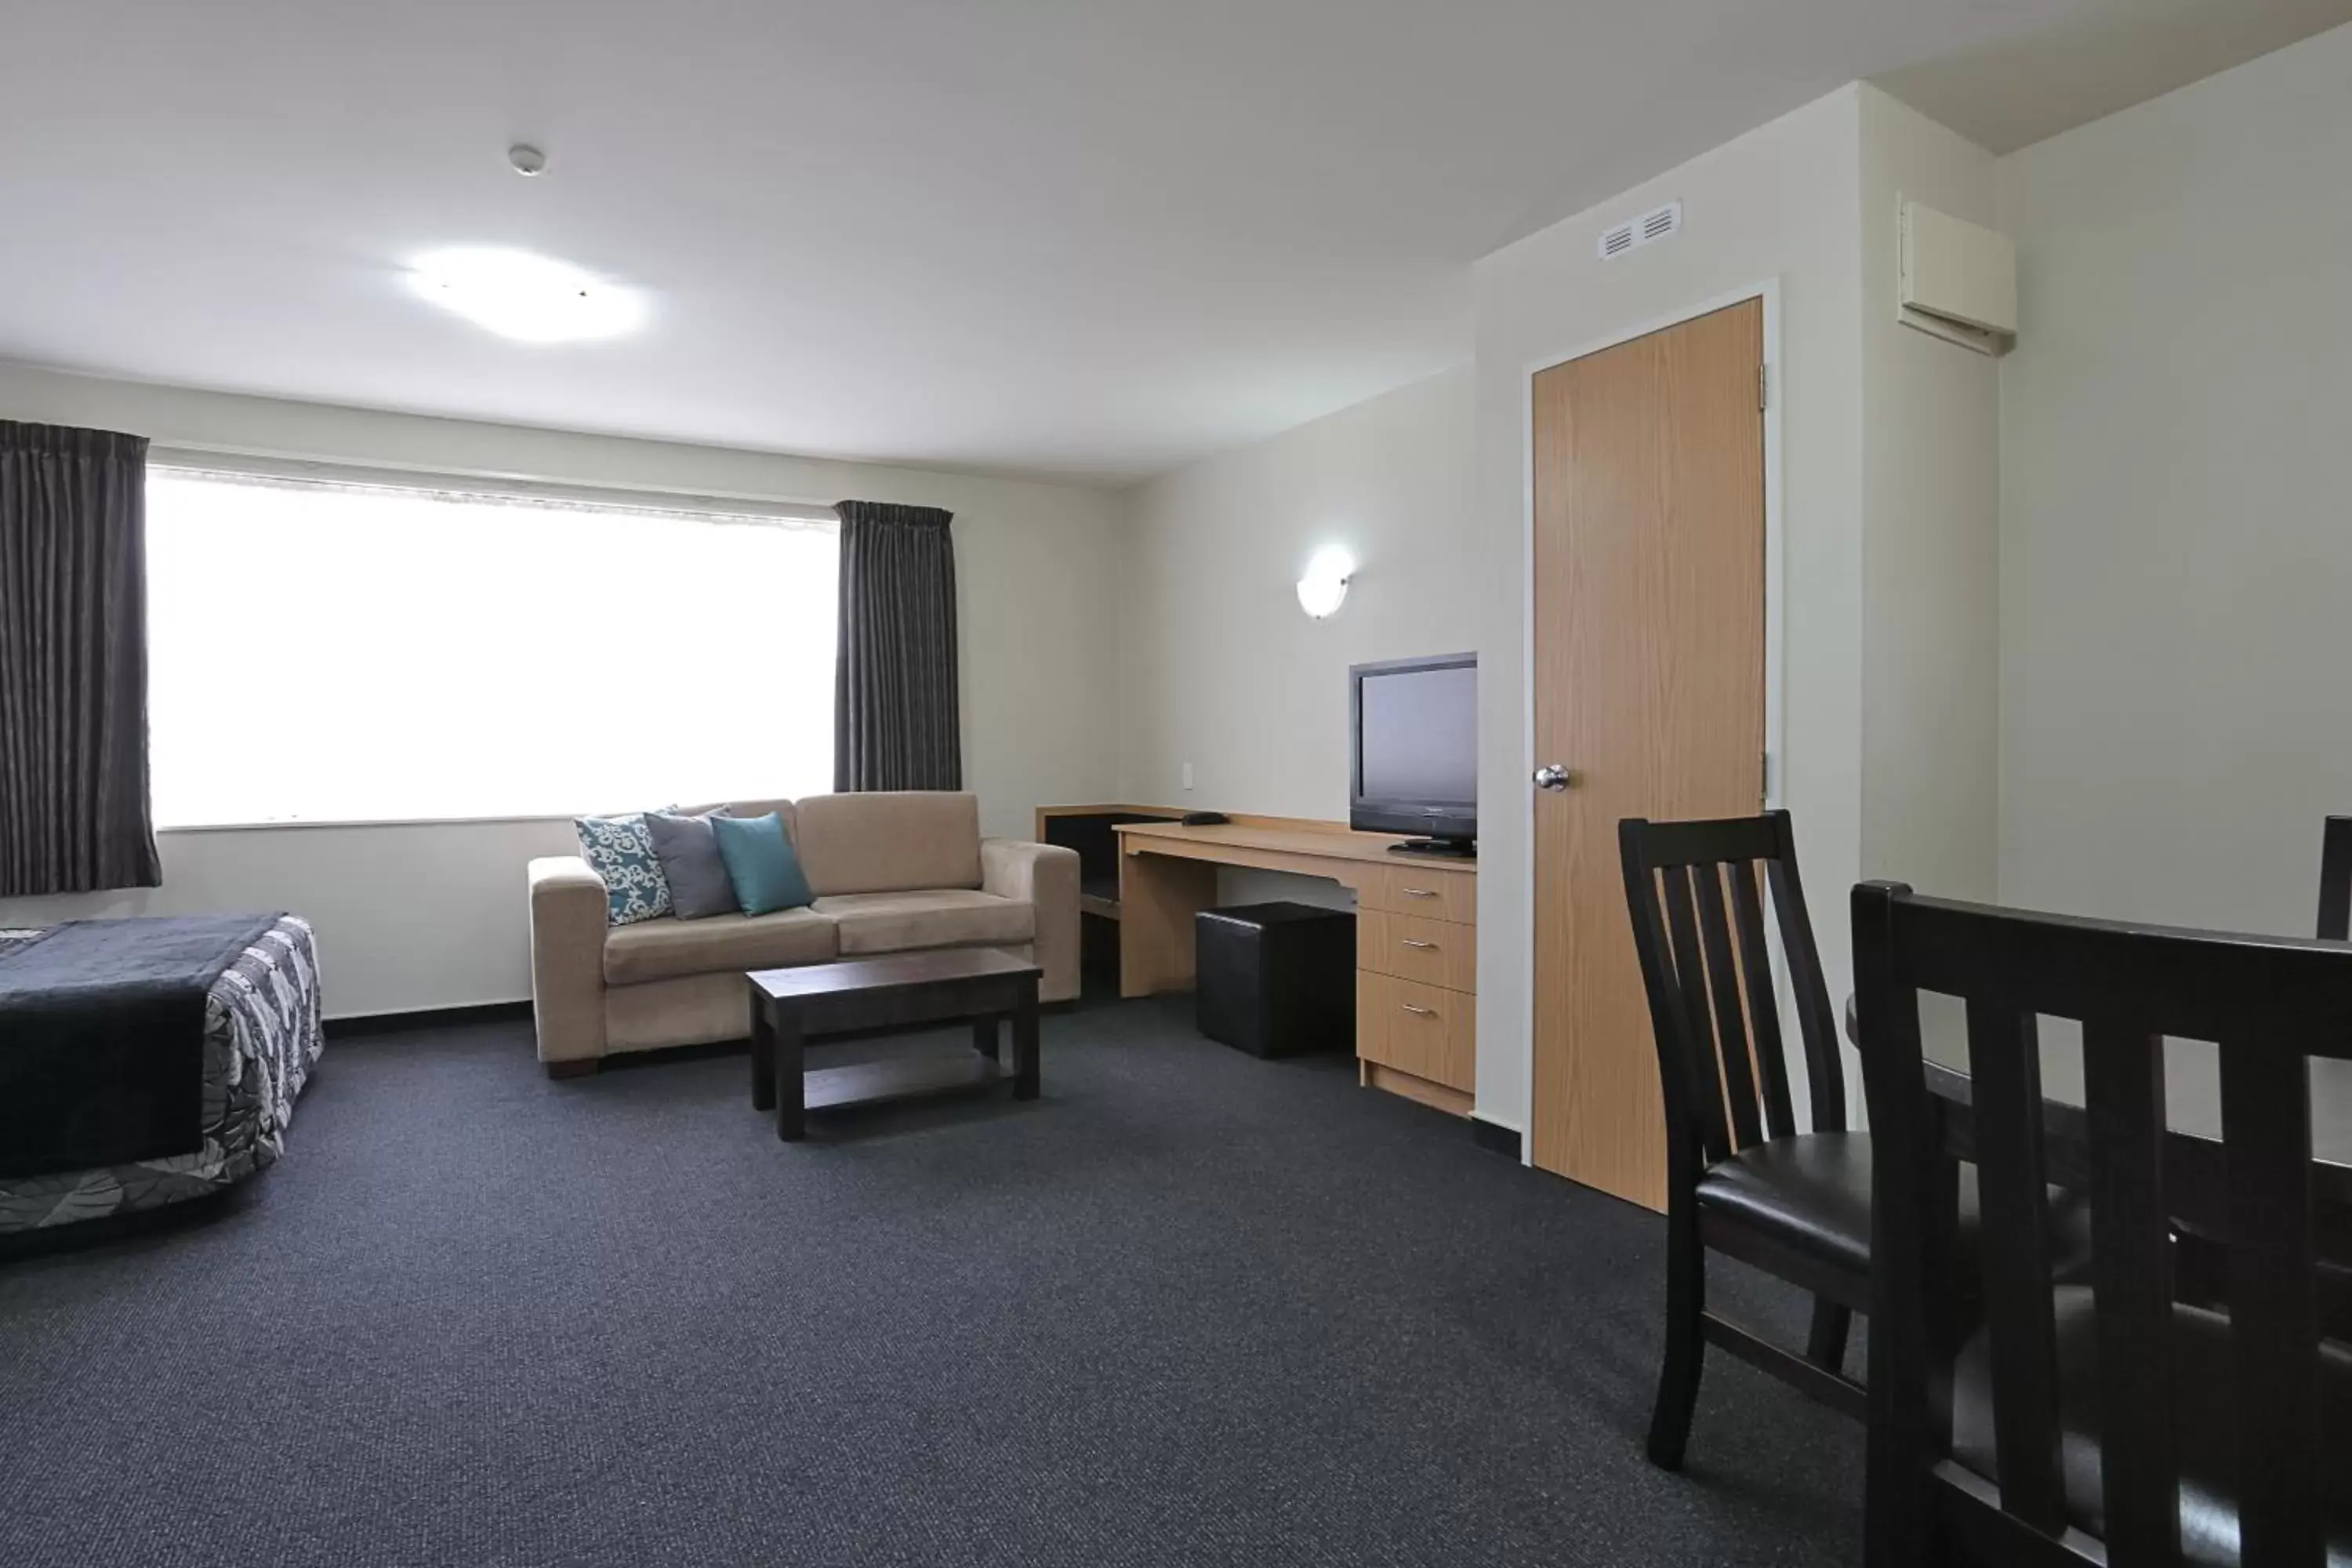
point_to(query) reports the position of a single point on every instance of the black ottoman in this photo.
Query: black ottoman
(1277, 979)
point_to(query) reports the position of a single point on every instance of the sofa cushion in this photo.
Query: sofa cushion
(760, 864)
(621, 851)
(665, 949)
(888, 841)
(688, 853)
(937, 917)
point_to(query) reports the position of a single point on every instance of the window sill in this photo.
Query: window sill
(306, 822)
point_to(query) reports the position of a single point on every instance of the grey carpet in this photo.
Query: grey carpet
(1189, 1308)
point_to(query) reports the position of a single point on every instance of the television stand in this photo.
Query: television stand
(1441, 848)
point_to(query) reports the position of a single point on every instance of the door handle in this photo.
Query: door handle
(1431, 945)
(1420, 893)
(1553, 776)
(1423, 1012)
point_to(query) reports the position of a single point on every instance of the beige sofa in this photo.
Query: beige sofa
(892, 873)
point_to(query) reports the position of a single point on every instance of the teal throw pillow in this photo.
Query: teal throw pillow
(761, 863)
(620, 851)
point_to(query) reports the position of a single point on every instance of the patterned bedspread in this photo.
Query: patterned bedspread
(262, 1034)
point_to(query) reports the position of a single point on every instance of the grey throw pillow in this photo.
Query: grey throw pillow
(688, 853)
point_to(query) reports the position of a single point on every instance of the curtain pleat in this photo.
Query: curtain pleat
(896, 723)
(74, 813)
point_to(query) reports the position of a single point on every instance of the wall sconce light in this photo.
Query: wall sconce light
(1325, 587)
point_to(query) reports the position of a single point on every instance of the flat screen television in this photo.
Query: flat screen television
(1414, 738)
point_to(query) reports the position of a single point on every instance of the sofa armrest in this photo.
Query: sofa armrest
(569, 917)
(1045, 877)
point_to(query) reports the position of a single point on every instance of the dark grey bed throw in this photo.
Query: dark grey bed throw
(102, 1038)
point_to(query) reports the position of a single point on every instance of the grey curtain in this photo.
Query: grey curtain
(894, 720)
(73, 662)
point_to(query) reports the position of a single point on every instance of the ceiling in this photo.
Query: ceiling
(1090, 239)
(2007, 94)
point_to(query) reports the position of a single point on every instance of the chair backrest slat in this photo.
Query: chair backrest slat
(1824, 1068)
(1698, 1048)
(1763, 1003)
(2131, 1263)
(1697, 894)
(2335, 880)
(2274, 1303)
(2013, 1194)
(1732, 1032)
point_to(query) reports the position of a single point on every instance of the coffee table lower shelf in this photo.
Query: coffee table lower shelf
(879, 1083)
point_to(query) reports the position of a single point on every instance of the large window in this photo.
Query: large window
(335, 651)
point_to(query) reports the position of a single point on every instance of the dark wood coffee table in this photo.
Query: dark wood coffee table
(788, 1006)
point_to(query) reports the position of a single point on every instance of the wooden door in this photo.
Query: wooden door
(1649, 689)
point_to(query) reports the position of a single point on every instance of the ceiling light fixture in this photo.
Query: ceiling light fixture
(534, 299)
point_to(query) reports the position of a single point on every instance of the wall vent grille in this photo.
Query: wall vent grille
(1635, 233)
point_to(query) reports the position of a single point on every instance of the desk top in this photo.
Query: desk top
(1329, 843)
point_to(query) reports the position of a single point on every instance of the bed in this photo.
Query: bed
(261, 1034)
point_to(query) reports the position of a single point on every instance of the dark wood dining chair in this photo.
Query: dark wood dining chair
(2335, 924)
(2112, 1424)
(1742, 1179)
(2335, 879)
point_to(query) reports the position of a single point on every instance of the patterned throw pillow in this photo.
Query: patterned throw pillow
(620, 851)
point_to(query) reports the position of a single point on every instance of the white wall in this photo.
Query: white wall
(1782, 203)
(428, 916)
(2175, 484)
(1225, 671)
(1931, 581)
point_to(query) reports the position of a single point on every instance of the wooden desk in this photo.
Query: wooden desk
(1416, 936)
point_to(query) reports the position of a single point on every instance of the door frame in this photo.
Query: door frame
(1775, 765)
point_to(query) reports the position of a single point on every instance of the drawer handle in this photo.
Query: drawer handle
(1430, 945)
(1423, 1012)
(1420, 893)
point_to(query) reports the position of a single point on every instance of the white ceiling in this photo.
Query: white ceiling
(2007, 94)
(1086, 237)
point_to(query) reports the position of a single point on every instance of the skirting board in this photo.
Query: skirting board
(1494, 1136)
(519, 1013)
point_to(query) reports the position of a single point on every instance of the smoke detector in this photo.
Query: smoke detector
(526, 159)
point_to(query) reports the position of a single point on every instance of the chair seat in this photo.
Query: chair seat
(2204, 1404)
(1813, 1193)
(1810, 1191)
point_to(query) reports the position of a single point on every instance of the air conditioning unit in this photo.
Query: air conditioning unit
(1956, 280)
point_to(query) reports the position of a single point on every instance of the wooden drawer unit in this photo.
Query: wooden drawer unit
(1430, 892)
(1412, 947)
(1417, 981)
(1424, 1030)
